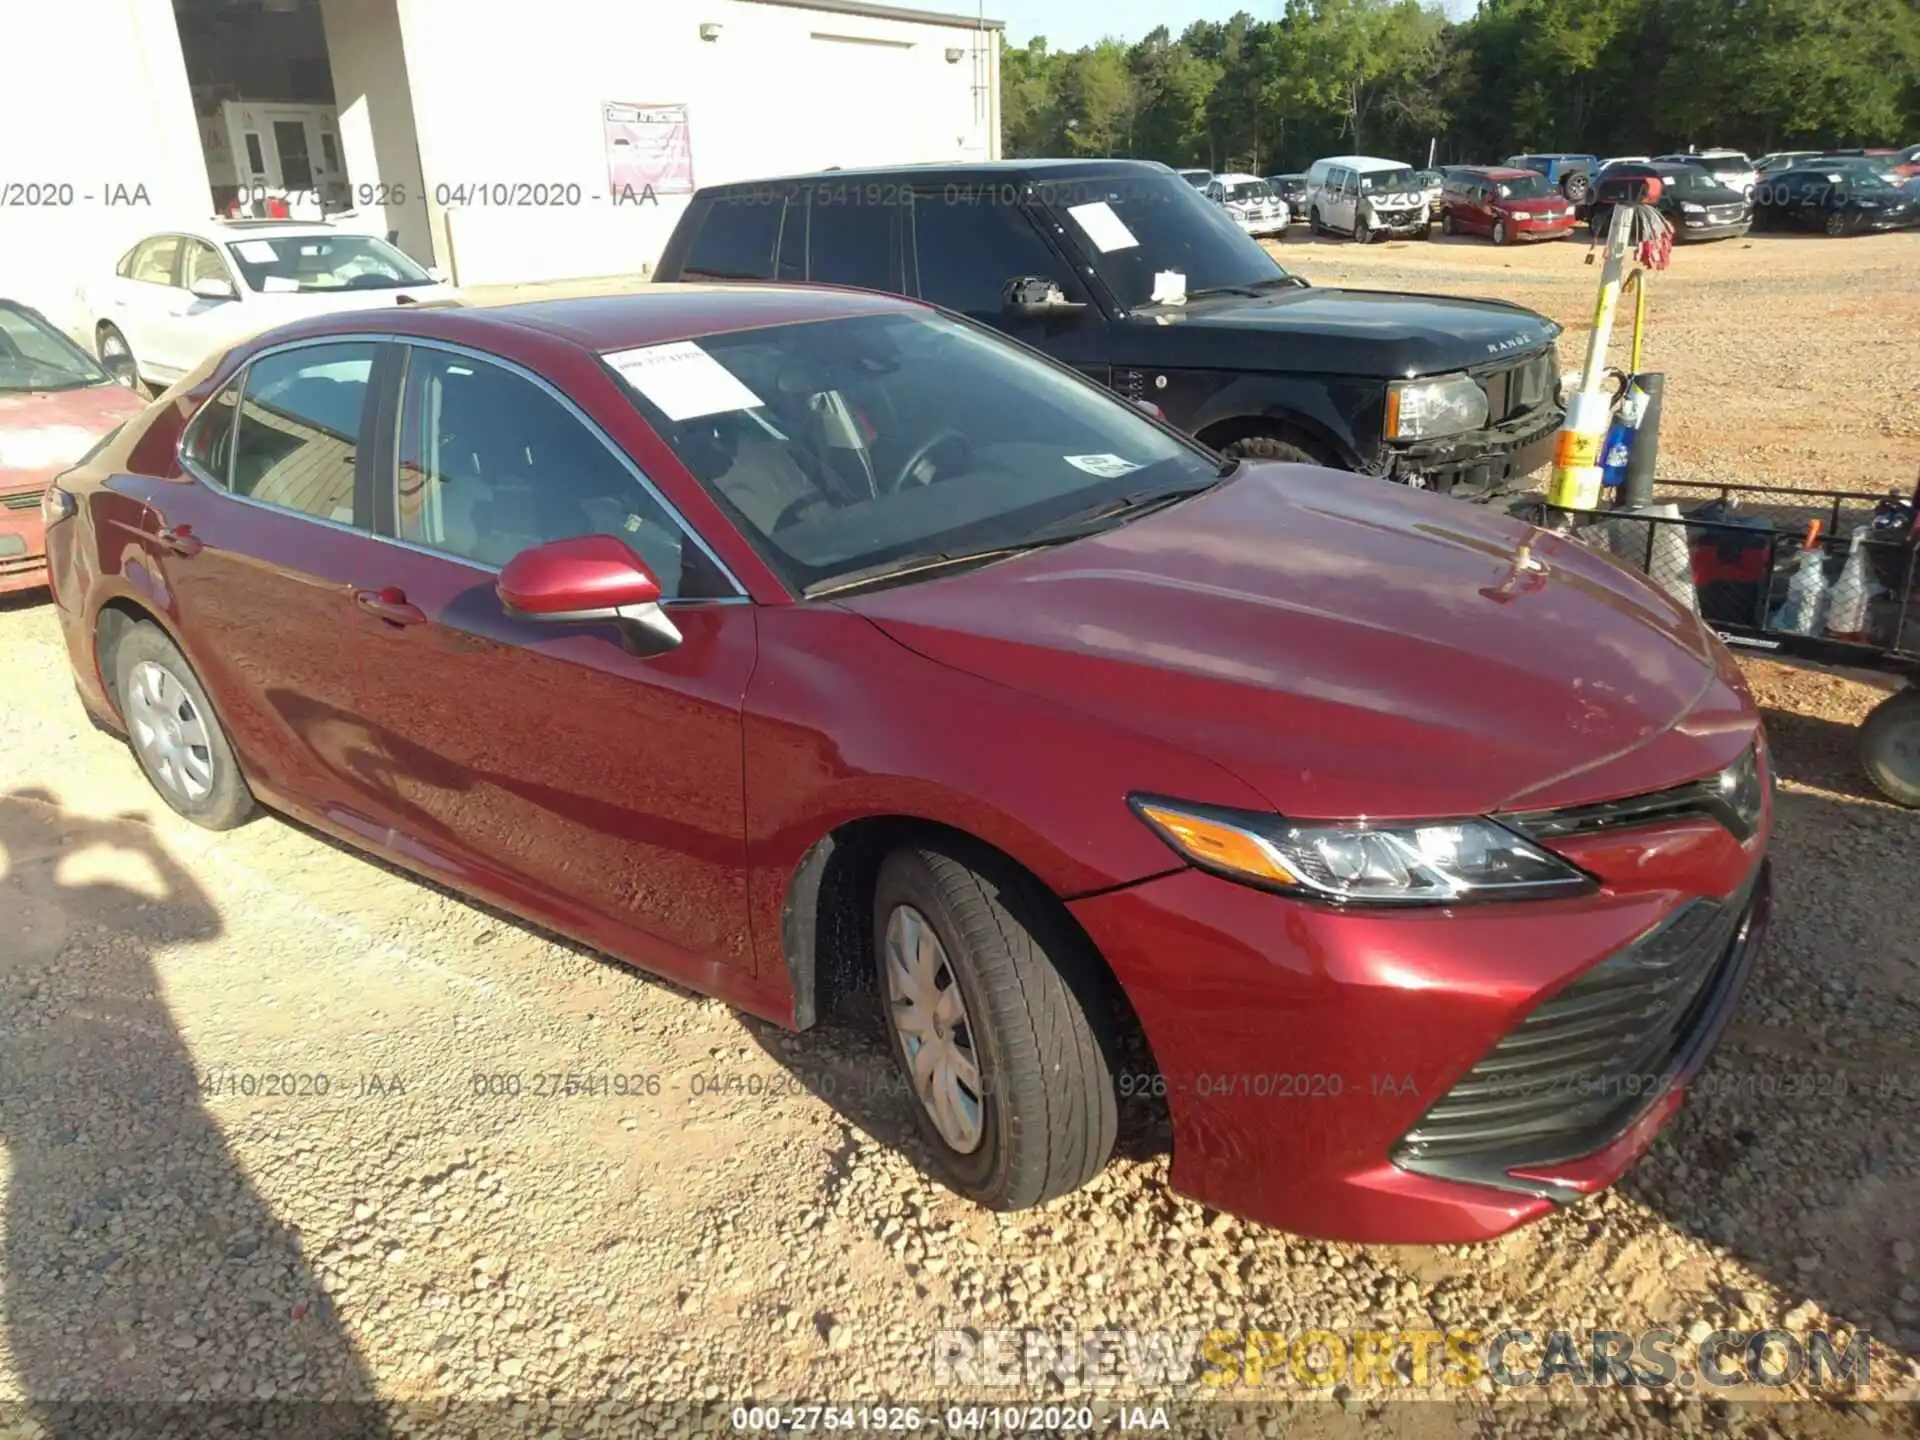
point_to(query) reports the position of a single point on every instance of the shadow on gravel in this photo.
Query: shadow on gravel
(141, 1267)
(1798, 1150)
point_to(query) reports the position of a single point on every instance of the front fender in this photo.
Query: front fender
(1341, 415)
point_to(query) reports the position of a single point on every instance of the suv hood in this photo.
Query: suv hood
(1378, 334)
(1346, 647)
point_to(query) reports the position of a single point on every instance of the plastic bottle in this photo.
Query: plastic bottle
(1800, 614)
(1847, 602)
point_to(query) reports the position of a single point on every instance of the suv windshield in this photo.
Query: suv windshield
(291, 263)
(35, 356)
(1528, 187)
(1383, 182)
(1688, 180)
(1133, 227)
(1251, 190)
(852, 449)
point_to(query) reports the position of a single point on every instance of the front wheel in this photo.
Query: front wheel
(1837, 223)
(1446, 222)
(1499, 232)
(1890, 747)
(1267, 447)
(1362, 231)
(1314, 227)
(999, 1021)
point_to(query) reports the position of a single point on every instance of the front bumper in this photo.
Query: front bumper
(1688, 230)
(1408, 222)
(1262, 224)
(1533, 227)
(1300, 1045)
(1482, 465)
(23, 544)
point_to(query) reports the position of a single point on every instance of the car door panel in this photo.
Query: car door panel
(545, 766)
(262, 592)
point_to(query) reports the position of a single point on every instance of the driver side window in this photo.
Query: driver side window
(491, 464)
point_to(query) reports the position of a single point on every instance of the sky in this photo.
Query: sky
(1069, 24)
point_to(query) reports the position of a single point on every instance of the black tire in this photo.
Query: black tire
(1037, 1022)
(226, 800)
(1446, 222)
(1362, 232)
(1314, 227)
(1838, 224)
(1269, 447)
(1890, 747)
(1577, 188)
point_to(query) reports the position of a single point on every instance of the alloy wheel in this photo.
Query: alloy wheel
(1837, 223)
(929, 1014)
(169, 733)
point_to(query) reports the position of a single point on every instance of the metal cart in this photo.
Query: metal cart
(1740, 556)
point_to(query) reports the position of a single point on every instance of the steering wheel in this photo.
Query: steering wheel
(903, 475)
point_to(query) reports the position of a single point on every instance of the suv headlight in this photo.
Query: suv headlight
(1687, 207)
(1438, 862)
(1446, 405)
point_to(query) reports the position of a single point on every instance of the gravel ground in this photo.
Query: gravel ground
(743, 1214)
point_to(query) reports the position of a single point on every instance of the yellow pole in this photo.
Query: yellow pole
(1576, 455)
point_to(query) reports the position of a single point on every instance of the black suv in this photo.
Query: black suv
(1124, 271)
(1700, 207)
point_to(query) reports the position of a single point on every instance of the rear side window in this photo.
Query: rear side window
(153, 261)
(209, 439)
(851, 244)
(966, 252)
(299, 429)
(735, 241)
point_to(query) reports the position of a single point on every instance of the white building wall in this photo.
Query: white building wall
(378, 140)
(96, 98)
(506, 92)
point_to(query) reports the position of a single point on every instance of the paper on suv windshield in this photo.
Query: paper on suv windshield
(683, 380)
(257, 252)
(1107, 467)
(1104, 228)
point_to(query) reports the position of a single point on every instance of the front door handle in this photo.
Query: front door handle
(178, 540)
(390, 605)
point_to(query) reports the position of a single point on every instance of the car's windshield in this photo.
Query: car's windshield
(1136, 228)
(292, 263)
(1250, 190)
(883, 441)
(35, 356)
(1196, 178)
(1686, 180)
(1527, 187)
(1869, 178)
(1382, 182)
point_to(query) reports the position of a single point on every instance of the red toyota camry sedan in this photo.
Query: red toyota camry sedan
(793, 642)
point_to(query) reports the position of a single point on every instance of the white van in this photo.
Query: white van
(1364, 196)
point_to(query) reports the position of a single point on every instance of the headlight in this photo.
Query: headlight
(1689, 208)
(55, 505)
(1424, 863)
(1421, 409)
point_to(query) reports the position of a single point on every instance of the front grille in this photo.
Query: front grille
(24, 500)
(1726, 214)
(1521, 387)
(1576, 1071)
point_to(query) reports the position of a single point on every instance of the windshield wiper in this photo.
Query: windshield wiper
(1062, 531)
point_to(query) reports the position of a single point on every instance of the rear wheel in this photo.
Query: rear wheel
(999, 1021)
(1890, 747)
(174, 733)
(1577, 188)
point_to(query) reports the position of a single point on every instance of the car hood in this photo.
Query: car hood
(1382, 334)
(43, 432)
(1345, 646)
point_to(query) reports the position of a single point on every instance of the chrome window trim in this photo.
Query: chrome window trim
(200, 475)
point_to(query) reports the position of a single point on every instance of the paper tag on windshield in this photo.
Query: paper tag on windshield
(279, 285)
(683, 380)
(1169, 287)
(1104, 228)
(1107, 467)
(257, 252)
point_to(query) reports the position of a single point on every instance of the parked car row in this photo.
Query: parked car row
(807, 644)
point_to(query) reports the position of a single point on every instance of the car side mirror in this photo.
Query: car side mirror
(1037, 295)
(121, 367)
(589, 580)
(213, 287)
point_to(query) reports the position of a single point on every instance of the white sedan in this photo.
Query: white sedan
(177, 297)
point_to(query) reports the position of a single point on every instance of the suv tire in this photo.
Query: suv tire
(1022, 1014)
(1890, 747)
(1362, 232)
(1269, 447)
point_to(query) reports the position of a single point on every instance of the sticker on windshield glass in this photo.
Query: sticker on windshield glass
(257, 252)
(1169, 287)
(683, 380)
(279, 284)
(1104, 228)
(1107, 467)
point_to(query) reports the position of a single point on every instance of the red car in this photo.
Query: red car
(1504, 204)
(55, 405)
(801, 645)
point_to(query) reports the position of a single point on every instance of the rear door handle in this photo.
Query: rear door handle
(390, 605)
(178, 540)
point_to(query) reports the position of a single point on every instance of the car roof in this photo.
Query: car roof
(1495, 172)
(224, 230)
(1236, 177)
(956, 172)
(1364, 163)
(649, 314)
